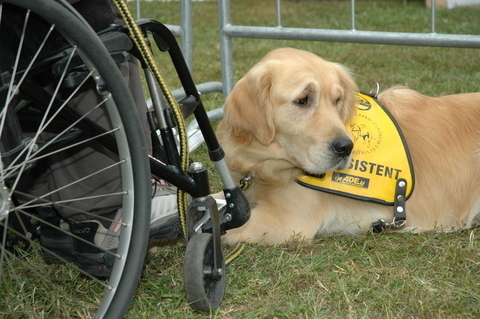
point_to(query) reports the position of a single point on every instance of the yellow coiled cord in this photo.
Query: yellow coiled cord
(142, 46)
(232, 255)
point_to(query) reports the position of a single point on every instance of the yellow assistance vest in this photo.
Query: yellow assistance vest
(380, 158)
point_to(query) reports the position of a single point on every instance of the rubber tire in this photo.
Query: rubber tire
(137, 203)
(203, 292)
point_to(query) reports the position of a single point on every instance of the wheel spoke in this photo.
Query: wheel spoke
(48, 268)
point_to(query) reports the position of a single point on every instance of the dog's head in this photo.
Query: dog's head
(298, 102)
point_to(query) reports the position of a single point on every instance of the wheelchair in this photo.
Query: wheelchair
(50, 61)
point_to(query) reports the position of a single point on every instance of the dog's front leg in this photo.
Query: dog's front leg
(268, 227)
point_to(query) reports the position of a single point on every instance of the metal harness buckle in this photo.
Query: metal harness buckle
(399, 212)
(245, 181)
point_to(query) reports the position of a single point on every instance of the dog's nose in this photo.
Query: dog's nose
(342, 146)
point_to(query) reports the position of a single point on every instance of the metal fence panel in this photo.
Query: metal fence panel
(229, 31)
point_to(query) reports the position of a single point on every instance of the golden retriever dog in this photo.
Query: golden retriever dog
(287, 116)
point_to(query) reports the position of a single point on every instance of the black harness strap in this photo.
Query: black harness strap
(399, 211)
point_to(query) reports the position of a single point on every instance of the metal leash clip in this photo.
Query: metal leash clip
(245, 181)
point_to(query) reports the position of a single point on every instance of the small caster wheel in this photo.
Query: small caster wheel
(204, 290)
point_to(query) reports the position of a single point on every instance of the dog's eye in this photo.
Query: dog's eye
(303, 101)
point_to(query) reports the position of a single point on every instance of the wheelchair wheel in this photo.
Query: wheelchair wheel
(51, 64)
(204, 291)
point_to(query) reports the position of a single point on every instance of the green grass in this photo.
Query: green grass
(430, 275)
(384, 276)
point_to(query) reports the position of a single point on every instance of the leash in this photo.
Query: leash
(142, 46)
(237, 250)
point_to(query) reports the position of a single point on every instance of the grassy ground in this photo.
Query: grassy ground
(384, 276)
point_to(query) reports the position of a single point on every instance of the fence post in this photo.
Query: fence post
(225, 46)
(184, 30)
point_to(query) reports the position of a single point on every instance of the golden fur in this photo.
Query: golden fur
(282, 118)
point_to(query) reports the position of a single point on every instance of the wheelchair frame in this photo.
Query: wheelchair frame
(204, 288)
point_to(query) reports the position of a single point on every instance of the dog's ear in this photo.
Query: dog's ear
(350, 87)
(248, 110)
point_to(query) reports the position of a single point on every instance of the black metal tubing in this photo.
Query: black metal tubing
(174, 176)
(217, 243)
(166, 41)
